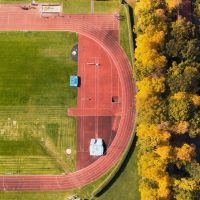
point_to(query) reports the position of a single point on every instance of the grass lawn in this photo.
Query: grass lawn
(34, 97)
(125, 184)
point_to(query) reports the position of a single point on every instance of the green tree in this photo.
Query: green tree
(152, 110)
(194, 128)
(193, 168)
(151, 21)
(183, 43)
(180, 110)
(183, 77)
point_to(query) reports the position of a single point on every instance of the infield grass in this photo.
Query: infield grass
(34, 97)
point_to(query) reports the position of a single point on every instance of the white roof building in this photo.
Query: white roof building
(96, 147)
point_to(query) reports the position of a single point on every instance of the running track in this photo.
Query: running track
(96, 27)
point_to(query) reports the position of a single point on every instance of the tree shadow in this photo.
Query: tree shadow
(132, 19)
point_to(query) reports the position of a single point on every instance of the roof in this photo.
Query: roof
(96, 147)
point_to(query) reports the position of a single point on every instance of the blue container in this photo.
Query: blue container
(74, 81)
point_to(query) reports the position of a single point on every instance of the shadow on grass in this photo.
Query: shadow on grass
(121, 169)
(132, 18)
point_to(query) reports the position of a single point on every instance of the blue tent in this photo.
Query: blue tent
(74, 81)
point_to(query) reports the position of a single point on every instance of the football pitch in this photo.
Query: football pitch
(34, 97)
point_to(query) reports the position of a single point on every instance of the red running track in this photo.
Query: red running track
(96, 27)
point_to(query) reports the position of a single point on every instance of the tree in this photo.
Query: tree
(150, 136)
(151, 21)
(186, 152)
(185, 184)
(181, 127)
(182, 194)
(163, 190)
(194, 128)
(145, 6)
(151, 110)
(150, 86)
(183, 77)
(150, 166)
(147, 190)
(183, 43)
(172, 4)
(197, 8)
(147, 104)
(193, 168)
(180, 110)
(164, 151)
(196, 100)
(148, 58)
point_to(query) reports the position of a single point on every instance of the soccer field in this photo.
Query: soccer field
(34, 97)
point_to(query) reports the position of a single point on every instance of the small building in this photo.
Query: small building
(96, 147)
(74, 81)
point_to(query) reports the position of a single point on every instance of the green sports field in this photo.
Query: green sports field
(34, 98)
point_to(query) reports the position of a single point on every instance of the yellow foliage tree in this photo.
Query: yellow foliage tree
(195, 99)
(173, 3)
(150, 86)
(152, 167)
(142, 6)
(179, 95)
(147, 192)
(149, 136)
(181, 127)
(164, 151)
(186, 184)
(148, 59)
(163, 187)
(186, 152)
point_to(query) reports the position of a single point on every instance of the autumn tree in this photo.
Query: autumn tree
(151, 21)
(183, 77)
(163, 188)
(193, 168)
(183, 42)
(152, 167)
(180, 110)
(148, 190)
(150, 136)
(173, 4)
(194, 128)
(150, 106)
(164, 151)
(148, 58)
(186, 152)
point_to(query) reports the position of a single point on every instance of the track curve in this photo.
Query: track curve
(99, 33)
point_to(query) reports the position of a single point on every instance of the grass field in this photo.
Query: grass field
(125, 183)
(34, 97)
